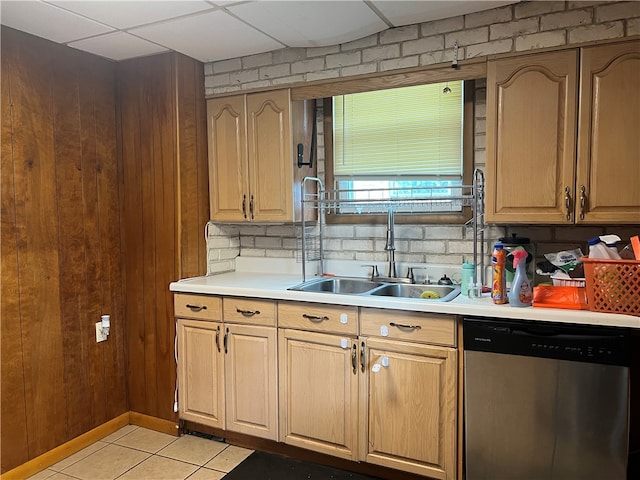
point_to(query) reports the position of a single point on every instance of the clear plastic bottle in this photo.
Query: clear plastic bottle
(521, 293)
(499, 261)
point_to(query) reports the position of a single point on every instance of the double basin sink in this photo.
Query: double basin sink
(361, 286)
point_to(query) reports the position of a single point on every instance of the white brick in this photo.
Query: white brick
(340, 255)
(435, 232)
(437, 57)
(460, 247)
(279, 253)
(244, 76)
(530, 9)
(259, 60)
(339, 231)
(366, 42)
(247, 241)
(227, 65)
(434, 246)
(357, 245)
(370, 231)
(258, 84)
(633, 26)
(275, 71)
(289, 80)
(467, 37)
(221, 267)
(596, 32)
(447, 259)
(219, 242)
(322, 51)
(479, 158)
(307, 66)
(229, 253)
(541, 40)
(398, 63)
(323, 75)
(280, 231)
(288, 55)
(565, 19)
(257, 230)
(208, 69)
(442, 26)
(380, 53)
(489, 48)
(481, 126)
(400, 34)
(343, 59)
(253, 252)
(427, 44)
(359, 69)
(409, 232)
(617, 11)
(513, 29)
(213, 81)
(488, 17)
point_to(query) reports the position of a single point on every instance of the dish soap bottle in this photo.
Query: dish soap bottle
(521, 293)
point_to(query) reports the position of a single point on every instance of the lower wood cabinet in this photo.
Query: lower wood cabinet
(319, 392)
(409, 406)
(227, 372)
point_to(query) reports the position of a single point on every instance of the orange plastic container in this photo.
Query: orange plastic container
(574, 298)
(613, 285)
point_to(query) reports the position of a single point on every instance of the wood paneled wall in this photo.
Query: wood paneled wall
(61, 247)
(164, 211)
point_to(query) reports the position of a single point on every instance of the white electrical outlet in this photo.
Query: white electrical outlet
(100, 336)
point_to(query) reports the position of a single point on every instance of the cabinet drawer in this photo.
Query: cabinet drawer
(247, 310)
(201, 307)
(411, 326)
(318, 317)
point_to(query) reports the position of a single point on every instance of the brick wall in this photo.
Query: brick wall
(513, 28)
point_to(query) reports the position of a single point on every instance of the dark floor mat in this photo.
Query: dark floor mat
(265, 466)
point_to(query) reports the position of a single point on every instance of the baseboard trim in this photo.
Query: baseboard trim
(61, 452)
(154, 423)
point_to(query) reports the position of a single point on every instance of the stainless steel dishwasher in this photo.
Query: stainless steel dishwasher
(545, 401)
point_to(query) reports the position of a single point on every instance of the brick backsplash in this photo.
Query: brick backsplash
(513, 28)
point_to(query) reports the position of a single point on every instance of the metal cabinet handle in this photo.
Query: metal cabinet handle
(244, 206)
(225, 340)
(354, 363)
(251, 207)
(409, 327)
(567, 201)
(583, 201)
(248, 313)
(218, 338)
(362, 358)
(196, 308)
(315, 318)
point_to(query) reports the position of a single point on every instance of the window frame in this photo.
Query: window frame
(468, 148)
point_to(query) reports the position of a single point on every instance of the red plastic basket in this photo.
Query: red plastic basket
(613, 285)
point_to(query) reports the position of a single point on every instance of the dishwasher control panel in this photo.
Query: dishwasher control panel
(581, 343)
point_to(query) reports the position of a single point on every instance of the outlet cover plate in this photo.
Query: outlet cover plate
(100, 336)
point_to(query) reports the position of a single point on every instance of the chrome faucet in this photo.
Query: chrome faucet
(390, 246)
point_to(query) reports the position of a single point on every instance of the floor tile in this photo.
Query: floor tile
(193, 449)
(207, 474)
(60, 476)
(79, 455)
(228, 458)
(42, 475)
(160, 468)
(147, 440)
(107, 463)
(119, 433)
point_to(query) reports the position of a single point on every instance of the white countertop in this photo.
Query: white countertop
(274, 286)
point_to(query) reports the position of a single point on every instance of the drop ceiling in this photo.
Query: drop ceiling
(218, 30)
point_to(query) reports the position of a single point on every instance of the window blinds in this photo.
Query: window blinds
(413, 131)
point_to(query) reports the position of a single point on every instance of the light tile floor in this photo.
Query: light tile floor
(136, 453)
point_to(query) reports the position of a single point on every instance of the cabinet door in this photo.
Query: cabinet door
(270, 156)
(319, 392)
(409, 413)
(531, 131)
(251, 380)
(228, 178)
(200, 372)
(608, 169)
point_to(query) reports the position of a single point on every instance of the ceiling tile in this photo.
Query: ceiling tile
(312, 23)
(48, 21)
(127, 14)
(409, 12)
(209, 36)
(118, 46)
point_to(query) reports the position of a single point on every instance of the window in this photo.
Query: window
(402, 142)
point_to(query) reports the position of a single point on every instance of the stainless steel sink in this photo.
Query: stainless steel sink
(362, 286)
(347, 286)
(441, 293)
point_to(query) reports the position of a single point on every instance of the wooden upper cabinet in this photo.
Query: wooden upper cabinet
(608, 168)
(562, 140)
(531, 130)
(253, 141)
